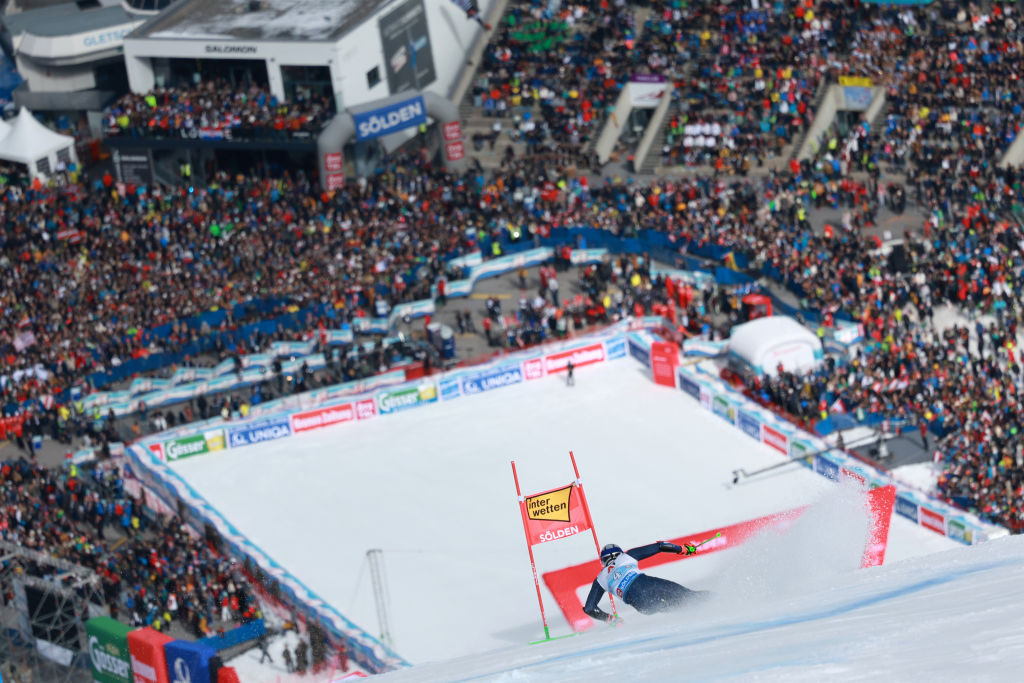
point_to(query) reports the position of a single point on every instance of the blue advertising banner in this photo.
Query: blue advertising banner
(395, 117)
(492, 379)
(826, 467)
(615, 348)
(188, 662)
(750, 425)
(450, 388)
(250, 630)
(689, 386)
(907, 508)
(256, 432)
(638, 351)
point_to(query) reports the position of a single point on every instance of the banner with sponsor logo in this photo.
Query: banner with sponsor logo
(189, 662)
(826, 468)
(723, 408)
(584, 355)
(366, 408)
(405, 39)
(930, 519)
(260, 431)
(664, 360)
(639, 349)
(907, 507)
(748, 424)
(646, 90)
(533, 368)
(450, 387)
(390, 118)
(196, 444)
(146, 648)
(689, 386)
(775, 439)
(501, 376)
(322, 417)
(705, 397)
(959, 531)
(615, 348)
(108, 650)
(403, 399)
(555, 514)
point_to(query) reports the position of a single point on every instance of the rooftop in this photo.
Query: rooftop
(66, 19)
(306, 20)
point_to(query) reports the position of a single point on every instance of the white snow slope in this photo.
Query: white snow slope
(432, 487)
(953, 616)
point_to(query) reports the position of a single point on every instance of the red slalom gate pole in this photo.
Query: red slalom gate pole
(590, 521)
(529, 548)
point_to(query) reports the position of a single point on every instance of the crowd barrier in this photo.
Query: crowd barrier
(478, 269)
(149, 457)
(762, 425)
(188, 383)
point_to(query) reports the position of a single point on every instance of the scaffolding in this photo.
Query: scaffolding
(375, 556)
(45, 604)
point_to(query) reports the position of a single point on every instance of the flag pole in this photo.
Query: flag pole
(529, 547)
(590, 520)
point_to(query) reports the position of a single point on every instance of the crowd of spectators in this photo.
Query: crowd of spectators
(153, 572)
(214, 109)
(89, 269)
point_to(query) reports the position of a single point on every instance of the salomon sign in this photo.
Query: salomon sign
(395, 117)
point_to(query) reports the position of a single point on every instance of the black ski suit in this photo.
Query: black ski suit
(646, 594)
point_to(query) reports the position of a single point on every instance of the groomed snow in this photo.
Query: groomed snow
(433, 488)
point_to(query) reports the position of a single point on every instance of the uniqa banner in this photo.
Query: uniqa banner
(555, 514)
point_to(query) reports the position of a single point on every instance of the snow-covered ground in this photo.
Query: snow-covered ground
(950, 616)
(433, 489)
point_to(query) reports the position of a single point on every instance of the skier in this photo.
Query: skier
(570, 381)
(622, 576)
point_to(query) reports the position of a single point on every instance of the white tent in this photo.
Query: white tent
(31, 143)
(765, 343)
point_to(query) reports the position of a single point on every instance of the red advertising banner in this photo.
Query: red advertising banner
(585, 355)
(333, 162)
(146, 648)
(322, 417)
(554, 515)
(157, 449)
(452, 131)
(335, 181)
(664, 359)
(533, 368)
(227, 674)
(366, 409)
(775, 439)
(933, 520)
(564, 583)
(454, 151)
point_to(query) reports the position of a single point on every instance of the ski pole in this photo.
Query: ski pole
(706, 540)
